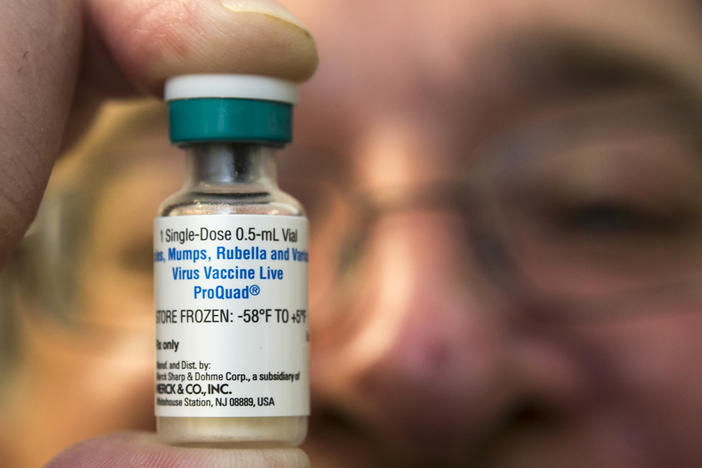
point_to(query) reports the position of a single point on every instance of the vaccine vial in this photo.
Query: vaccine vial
(230, 271)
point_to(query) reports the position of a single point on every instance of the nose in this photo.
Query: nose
(418, 350)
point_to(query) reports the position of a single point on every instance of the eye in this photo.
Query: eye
(619, 218)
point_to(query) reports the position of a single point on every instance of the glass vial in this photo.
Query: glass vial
(230, 263)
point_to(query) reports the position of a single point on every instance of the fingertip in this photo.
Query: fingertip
(152, 40)
(144, 449)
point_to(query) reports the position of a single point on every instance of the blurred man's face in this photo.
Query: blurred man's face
(505, 236)
(563, 339)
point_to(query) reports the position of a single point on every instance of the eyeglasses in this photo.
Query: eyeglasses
(582, 213)
(588, 212)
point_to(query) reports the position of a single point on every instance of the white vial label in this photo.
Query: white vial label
(231, 316)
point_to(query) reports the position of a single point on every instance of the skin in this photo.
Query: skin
(477, 384)
(105, 48)
(446, 391)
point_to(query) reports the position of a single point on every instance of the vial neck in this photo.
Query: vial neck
(225, 164)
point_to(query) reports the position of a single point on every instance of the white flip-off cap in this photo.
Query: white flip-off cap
(230, 86)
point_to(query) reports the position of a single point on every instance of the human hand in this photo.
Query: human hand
(61, 59)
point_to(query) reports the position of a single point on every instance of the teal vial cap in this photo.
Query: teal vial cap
(230, 108)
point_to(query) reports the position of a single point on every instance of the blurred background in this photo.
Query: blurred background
(506, 239)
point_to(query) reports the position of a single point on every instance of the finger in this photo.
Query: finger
(151, 40)
(38, 66)
(144, 450)
(134, 45)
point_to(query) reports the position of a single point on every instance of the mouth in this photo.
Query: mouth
(524, 420)
(338, 438)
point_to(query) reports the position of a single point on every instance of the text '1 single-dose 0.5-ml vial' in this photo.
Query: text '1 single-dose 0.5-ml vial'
(230, 262)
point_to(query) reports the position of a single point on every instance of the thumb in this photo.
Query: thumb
(144, 450)
(39, 60)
